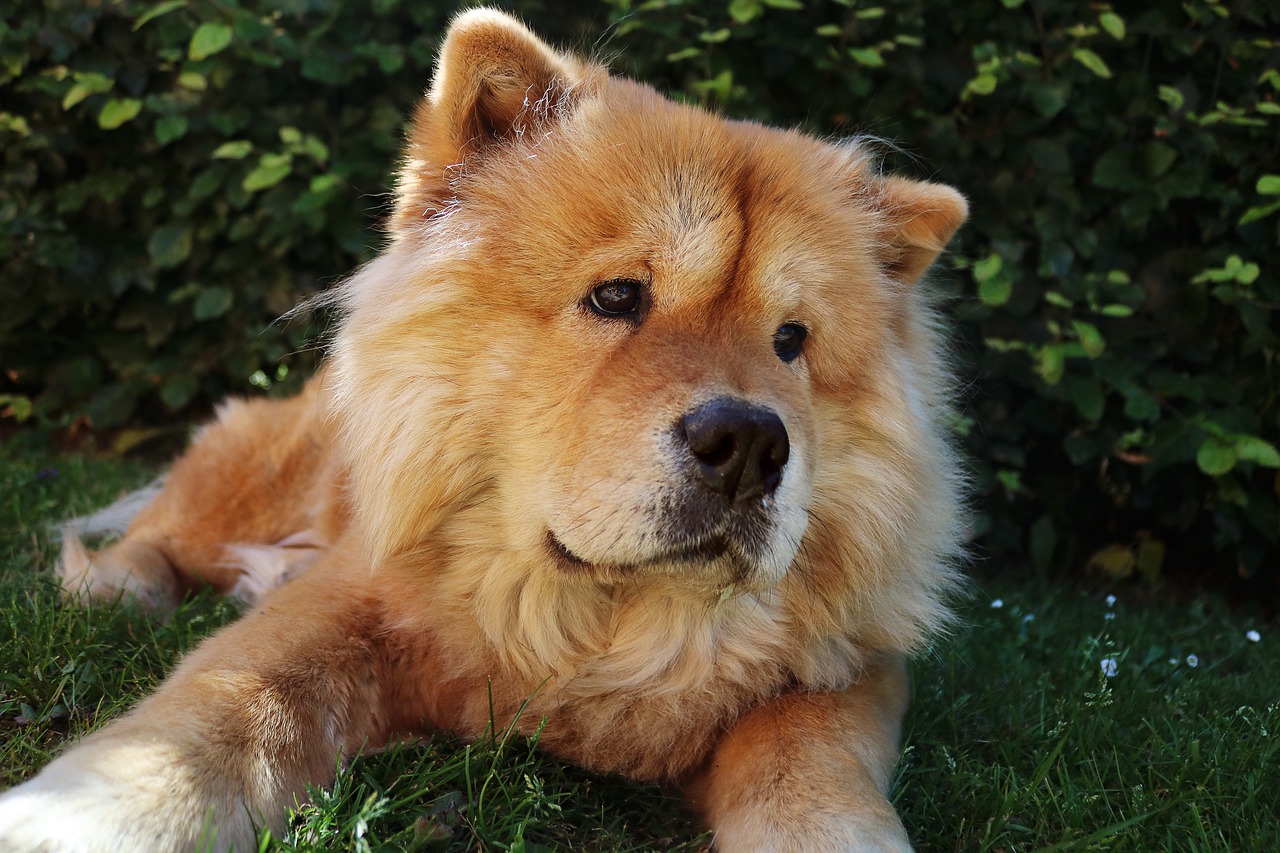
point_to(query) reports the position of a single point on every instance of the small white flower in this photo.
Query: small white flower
(1028, 617)
(1193, 661)
(1252, 636)
(1109, 616)
(1111, 601)
(1173, 661)
(1109, 667)
(997, 604)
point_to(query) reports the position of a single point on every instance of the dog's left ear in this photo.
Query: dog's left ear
(922, 218)
(495, 81)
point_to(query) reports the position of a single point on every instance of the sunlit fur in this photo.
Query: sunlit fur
(481, 501)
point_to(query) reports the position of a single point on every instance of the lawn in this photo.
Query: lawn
(1056, 718)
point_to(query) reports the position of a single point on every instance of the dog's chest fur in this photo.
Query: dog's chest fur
(613, 672)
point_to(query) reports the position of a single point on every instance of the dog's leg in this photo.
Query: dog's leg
(810, 771)
(255, 499)
(231, 740)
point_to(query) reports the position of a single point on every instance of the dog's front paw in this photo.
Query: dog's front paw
(812, 832)
(43, 816)
(72, 807)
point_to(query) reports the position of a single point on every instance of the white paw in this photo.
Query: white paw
(46, 815)
(72, 807)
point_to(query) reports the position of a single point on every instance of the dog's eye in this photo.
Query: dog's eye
(788, 340)
(615, 298)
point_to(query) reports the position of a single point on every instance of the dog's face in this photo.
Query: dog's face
(637, 334)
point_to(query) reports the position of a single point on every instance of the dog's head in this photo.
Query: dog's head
(637, 340)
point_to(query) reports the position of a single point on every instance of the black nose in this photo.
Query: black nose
(740, 449)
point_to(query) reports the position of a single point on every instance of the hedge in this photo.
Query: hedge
(179, 174)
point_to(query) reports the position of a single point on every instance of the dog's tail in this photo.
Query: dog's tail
(138, 571)
(114, 519)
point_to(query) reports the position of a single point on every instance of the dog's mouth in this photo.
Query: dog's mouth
(705, 551)
(566, 558)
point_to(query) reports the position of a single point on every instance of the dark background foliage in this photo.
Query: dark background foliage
(177, 175)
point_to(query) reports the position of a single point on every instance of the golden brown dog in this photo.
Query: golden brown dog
(638, 415)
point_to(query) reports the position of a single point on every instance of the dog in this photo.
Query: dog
(638, 418)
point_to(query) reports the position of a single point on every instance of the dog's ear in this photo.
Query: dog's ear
(922, 218)
(495, 80)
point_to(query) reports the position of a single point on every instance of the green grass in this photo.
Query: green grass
(1016, 740)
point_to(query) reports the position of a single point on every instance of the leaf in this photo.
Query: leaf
(1250, 448)
(194, 81)
(983, 84)
(178, 391)
(1171, 96)
(1052, 360)
(16, 406)
(236, 149)
(10, 123)
(271, 170)
(1140, 406)
(1092, 61)
(1157, 158)
(169, 128)
(1089, 399)
(686, 53)
(1269, 185)
(1215, 457)
(390, 58)
(1048, 100)
(994, 287)
(207, 40)
(987, 268)
(156, 11)
(170, 245)
(130, 439)
(1114, 170)
(867, 56)
(212, 303)
(1261, 211)
(315, 149)
(1115, 561)
(118, 111)
(784, 4)
(1090, 338)
(205, 185)
(84, 86)
(1150, 559)
(745, 11)
(995, 292)
(1113, 24)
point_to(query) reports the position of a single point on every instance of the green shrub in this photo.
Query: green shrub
(178, 174)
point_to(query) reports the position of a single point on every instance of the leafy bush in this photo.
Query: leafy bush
(177, 174)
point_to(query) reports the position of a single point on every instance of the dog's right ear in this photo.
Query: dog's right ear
(494, 81)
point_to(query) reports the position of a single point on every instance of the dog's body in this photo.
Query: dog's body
(636, 419)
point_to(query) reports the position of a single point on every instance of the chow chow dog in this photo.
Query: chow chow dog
(638, 418)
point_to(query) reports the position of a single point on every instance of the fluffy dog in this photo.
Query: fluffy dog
(638, 415)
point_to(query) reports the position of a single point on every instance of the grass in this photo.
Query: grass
(1017, 738)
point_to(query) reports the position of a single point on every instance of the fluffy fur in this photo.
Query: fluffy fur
(494, 490)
